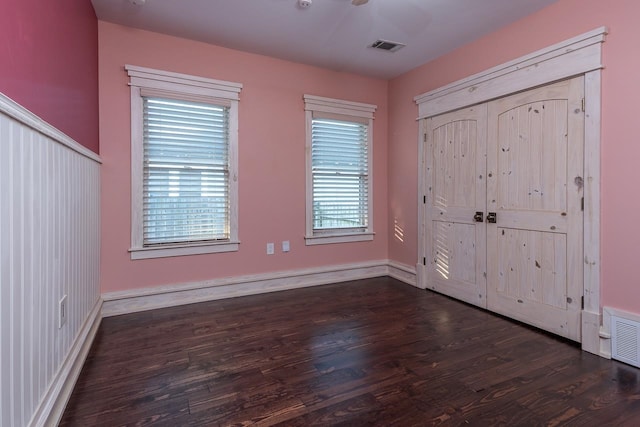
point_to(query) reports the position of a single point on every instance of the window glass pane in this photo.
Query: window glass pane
(186, 171)
(339, 157)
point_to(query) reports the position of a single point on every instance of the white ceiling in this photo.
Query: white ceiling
(331, 33)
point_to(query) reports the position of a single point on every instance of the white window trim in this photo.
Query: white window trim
(181, 86)
(347, 110)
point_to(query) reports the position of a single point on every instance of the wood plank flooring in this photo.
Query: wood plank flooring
(369, 352)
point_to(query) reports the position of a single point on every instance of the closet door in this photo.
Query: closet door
(455, 244)
(535, 187)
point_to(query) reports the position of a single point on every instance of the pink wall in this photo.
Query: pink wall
(271, 158)
(49, 52)
(620, 231)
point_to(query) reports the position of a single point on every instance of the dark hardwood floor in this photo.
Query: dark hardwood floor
(369, 352)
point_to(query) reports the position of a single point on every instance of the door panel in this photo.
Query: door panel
(455, 173)
(528, 266)
(532, 157)
(534, 184)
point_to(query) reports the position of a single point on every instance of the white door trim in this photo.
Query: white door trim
(569, 58)
(581, 55)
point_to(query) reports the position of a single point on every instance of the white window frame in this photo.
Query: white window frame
(347, 111)
(185, 87)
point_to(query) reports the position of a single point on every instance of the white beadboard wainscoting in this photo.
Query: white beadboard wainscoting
(49, 248)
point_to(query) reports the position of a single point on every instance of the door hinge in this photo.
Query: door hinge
(582, 204)
(583, 105)
(424, 261)
(424, 137)
(424, 200)
(582, 302)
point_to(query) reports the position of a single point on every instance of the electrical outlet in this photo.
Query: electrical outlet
(62, 311)
(270, 249)
(285, 246)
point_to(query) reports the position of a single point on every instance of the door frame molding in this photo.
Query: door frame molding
(581, 55)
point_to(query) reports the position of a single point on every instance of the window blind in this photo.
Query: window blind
(186, 171)
(340, 172)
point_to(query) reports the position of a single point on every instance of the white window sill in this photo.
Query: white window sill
(182, 250)
(338, 238)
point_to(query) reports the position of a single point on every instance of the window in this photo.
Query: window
(339, 179)
(184, 137)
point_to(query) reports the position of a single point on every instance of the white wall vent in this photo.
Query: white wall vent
(625, 340)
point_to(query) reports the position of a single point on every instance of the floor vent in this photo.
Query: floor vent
(625, 340)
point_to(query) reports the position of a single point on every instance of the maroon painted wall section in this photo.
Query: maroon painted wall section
(49, 63)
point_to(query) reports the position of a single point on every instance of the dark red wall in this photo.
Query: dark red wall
(49, 63)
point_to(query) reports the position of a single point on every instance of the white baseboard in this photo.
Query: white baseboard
(402, 272)
(591, 339)
(116, 303)
(51, 408)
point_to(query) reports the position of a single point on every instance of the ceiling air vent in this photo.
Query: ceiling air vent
(387, 45)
